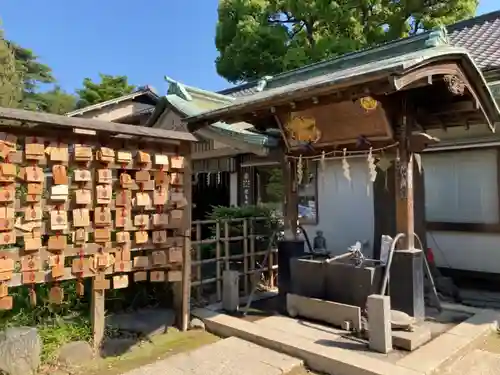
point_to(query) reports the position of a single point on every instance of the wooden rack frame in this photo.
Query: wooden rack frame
(42, 157)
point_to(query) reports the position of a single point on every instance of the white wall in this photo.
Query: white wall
(466, 251)
(461, 187)
(345, 209)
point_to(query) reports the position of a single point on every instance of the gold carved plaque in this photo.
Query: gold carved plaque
(368, 103)
(302, 128)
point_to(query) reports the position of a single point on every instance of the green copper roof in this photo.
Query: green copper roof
(364, 66)
(238, 131)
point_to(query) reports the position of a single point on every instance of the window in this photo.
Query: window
(461, 187)
(270, 191)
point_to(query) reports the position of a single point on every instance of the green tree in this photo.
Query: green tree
(264, 37)
(109, 87)
(57, 101)
(10, 81)
(33, 74)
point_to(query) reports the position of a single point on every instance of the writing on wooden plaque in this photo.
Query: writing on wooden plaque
(122, 237)
(104, 176)
(158, 258)
(83, 153)
(34, 174)
(143, 157)
(126, 181)
(106, 154)
(8, 238)
(6, 224)
(34, 148)
(102, 235)
(81, 217)
(123, 198)
(35, 189)
(7, 193)
(59, 174)
(33, 213)
(58, 220)
(82, 175)
(160, 196)
(141, 237)
(123, 157)
(142, 199)
(102, 216)
(104, 194)
(157, 276)
(159, 236)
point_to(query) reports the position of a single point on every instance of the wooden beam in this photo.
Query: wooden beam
(48, 119)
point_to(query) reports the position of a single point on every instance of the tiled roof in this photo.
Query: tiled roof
(481, 37)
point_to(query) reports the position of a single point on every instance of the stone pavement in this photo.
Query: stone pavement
(476, 362)
(231, 356)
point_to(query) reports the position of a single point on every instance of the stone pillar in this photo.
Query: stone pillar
(379, 323)
(230, 290)
(407, 283)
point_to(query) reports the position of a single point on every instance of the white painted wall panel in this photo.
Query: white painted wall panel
(462, 187)
(345, 209)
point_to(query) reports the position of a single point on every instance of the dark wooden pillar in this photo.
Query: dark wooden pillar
(291, 202)
(406, 272)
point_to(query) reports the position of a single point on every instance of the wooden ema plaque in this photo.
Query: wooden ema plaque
(74, 208)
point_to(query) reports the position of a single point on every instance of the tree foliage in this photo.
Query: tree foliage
(10, 81)
(34, 74)
(57, 101)
(109, 87)
(261, 37)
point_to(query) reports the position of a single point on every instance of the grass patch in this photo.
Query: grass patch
(56, 324)
(160, 347)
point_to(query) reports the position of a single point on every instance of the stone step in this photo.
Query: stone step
(231, 356)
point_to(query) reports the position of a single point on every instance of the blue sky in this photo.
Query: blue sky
(144, 41)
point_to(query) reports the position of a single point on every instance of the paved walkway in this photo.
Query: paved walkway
(477, 362)
(231, 356)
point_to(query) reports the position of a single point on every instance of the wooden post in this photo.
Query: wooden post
(97, 317)
(199, 288)
(218, 272)
(291, 204)
(404, 186)
(407, 294)
(226, 245)
(245, 256)
(182, 290)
